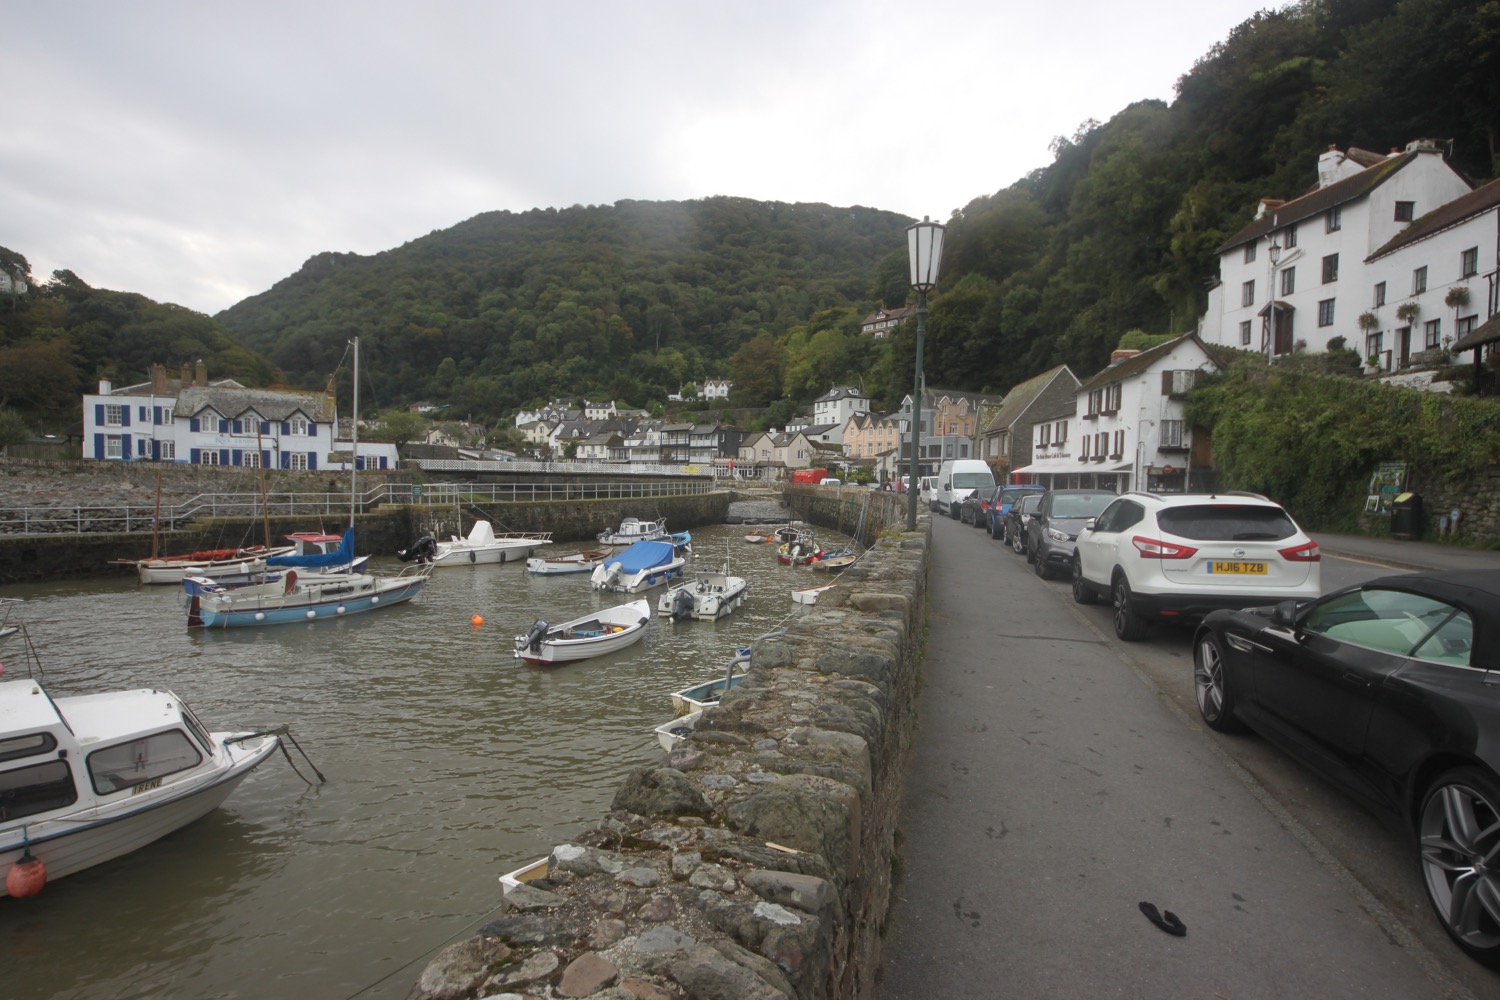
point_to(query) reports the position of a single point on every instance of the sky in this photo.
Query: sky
(197, 153)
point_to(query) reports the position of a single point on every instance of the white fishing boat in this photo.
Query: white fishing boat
(592, 635)
(312, 552)
(709, 595)
(809, 595)
(633, 530)
(88, 778)
(696, 697)
(568, 562)
(206, 563)
(316, 597)
(670, 734)
(483, 546)
(642, 566)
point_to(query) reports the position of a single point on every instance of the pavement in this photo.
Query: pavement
(1051, 793)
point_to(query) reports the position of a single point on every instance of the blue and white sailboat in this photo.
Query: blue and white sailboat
(317, 594)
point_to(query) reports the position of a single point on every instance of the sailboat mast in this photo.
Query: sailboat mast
(354, 437)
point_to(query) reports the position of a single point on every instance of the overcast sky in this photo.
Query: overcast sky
(198, 152)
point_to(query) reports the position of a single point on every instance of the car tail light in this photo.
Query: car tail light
(1302, 553)
(1155, 548)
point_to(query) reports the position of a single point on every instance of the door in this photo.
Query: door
(1284, 331)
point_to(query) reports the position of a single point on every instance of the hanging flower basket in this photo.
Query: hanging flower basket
(1457, 297)
(1368, 320)
(1406, 312)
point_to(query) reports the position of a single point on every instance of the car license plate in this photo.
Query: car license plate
(1251, 568)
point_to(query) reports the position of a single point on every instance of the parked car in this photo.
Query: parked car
(1051, 532)
(956, 479)
(926, 489)
(1018, 518)
(1176, 557)
(1387, 690)
(1000, 503)
(974, 509)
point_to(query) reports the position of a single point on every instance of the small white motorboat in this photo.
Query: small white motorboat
(706, 597)
(482, 546)
(697, 697)
(830, 560)
(755, 538)
(669, 734)
(809, 595)
(88, 778)
(570, 562)
(632, 530)
(642, 566)
(592, 635)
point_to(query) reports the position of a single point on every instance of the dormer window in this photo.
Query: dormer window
(298, 426)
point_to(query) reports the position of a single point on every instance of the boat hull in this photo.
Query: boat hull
(162, 571)
(706, 599)
(67, 845)
(582, 562)
(587, 637)
(313, 602)
(451, 554)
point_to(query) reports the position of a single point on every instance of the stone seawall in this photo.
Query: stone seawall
(756, 861)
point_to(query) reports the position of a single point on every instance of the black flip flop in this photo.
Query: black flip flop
(1167, 922)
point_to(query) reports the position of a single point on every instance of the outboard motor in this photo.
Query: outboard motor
(533, 639)
(421, 551)
(682, 606)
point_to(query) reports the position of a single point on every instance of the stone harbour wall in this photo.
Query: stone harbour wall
(755, 862)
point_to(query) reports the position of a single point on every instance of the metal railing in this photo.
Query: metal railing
(97, 518)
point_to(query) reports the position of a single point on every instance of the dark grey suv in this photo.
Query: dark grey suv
(1052, 533)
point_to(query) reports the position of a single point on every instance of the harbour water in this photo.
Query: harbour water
(448, 763)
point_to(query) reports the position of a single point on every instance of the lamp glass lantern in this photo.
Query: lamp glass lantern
(924, 248)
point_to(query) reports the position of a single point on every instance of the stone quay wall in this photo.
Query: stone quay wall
(756, 861)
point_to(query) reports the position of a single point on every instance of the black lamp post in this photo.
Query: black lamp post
(924, 247)
(1274, 252)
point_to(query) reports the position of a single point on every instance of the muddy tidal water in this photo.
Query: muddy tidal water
(447, 762)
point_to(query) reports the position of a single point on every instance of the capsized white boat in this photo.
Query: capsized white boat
(709, 595)
(633, 529)
(592, 635)
(513, 880)
(87, 778)
(669, 734)
(809, 595)
(481, 546)
(568, 562)
(642, 566)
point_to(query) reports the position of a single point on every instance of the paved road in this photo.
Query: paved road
(1052, 789)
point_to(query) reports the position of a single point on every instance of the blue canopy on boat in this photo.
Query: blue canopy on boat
(643, 555)
(341, 556)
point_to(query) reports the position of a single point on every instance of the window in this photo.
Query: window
(1465, 325)
(1247, 294)
(1083, 447)
(298, 426)
(1245, 333)
(1432, 333)
(1120, 515)
(1044, 435)
(1179, 382)
(1374, 344)
(1330, 268)
(1334, 221)
(1405, 211)
(153, 757)
(113, 446)
(1380, 293)
(251, 460)
(208, 456)
(1060, 432)
(1325, 312)
(114, 415)
(1119, 448)
(1250, 253)
(1419, 281)
(1289, 237)
(1171, 433)
(1468, 263)
(1392, 621)
(27, 791)
(297, 461)
(167, 451)
(1289, 281)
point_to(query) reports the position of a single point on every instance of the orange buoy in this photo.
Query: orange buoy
(26, 877)
(476, 621)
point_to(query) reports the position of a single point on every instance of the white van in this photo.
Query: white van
(926, 486)
(957, 478)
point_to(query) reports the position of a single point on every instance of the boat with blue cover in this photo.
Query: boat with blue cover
(642, 566)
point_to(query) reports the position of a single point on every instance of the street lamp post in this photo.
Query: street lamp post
(1273, 252)
(924, 247)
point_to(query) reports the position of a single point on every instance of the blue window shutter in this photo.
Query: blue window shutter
(234, 456)
(238, 427)
(223, 456)
(265, 460)
(286, 460)
(312, 428)
(265, 427)
(99, 414)
(195, 455)
(312, 461)
(193, 425)
(142, 413)
(124, 416)
(382, 461)
(98, 445)
(286, 428)
(156, 451)
(223, 427)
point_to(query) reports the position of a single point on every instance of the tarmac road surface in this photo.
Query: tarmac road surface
(1051, 791)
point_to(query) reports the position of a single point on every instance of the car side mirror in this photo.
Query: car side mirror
(1285, 614)
(1089, 524)
(947, 486)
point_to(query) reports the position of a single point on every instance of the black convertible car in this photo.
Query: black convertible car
(1390, 689)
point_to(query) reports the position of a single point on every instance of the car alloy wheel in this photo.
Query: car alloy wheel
(1459, 831)
(1129, 626)
(1215, 703)
(1082, 592)
(1039, 564)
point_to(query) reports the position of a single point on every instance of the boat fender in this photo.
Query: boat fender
(473, 557)
(534, 637)
(291, 581)
(26, 877)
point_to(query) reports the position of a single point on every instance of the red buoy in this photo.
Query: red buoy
(26, 877)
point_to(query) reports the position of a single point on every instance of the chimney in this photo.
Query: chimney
(1329, 162)
(202, 375)
(104, 387)
(1121, 354)
(159, 379)
(187, 374)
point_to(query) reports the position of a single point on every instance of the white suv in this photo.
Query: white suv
(1176, 557)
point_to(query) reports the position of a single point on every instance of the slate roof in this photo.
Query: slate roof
(272, 404)
(1317, 202)
(841, 392)
(1138, 363)
(1023, 395)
